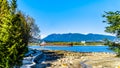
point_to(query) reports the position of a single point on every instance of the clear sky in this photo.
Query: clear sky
(68, 16)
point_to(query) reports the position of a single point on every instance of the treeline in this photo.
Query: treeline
(74, 43)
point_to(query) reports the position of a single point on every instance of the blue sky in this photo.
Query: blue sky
(68, 16)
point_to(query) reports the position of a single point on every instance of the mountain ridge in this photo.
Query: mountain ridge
(77, 37)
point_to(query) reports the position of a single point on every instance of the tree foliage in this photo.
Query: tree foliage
(14, 34)
(113, 21)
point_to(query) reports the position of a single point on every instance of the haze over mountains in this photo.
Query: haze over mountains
(77, 37)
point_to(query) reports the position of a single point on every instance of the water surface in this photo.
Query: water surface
(75, 48)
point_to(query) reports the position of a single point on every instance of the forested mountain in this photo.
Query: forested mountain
(77, 37)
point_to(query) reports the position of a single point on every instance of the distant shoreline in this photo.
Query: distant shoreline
(72, 43)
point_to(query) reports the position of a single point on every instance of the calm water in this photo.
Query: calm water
(75, 48)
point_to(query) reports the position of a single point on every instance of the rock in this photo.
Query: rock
(64, 65)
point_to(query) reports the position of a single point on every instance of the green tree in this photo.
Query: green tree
(113, 21)
(14, 34)
(4, 30)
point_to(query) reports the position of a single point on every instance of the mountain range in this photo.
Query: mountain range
(77, 37)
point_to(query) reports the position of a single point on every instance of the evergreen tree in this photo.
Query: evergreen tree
(4, 33)
(14, 34)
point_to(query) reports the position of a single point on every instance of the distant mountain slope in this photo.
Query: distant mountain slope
(76, 37)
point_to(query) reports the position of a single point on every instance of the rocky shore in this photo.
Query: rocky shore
(64, 59)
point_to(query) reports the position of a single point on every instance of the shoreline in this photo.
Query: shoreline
(65, 59)
(69, 45)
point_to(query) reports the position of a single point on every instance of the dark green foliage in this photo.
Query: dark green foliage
(106, 41)
(113, 21)
(115, 47)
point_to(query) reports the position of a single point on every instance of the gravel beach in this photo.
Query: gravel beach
(64, 59)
